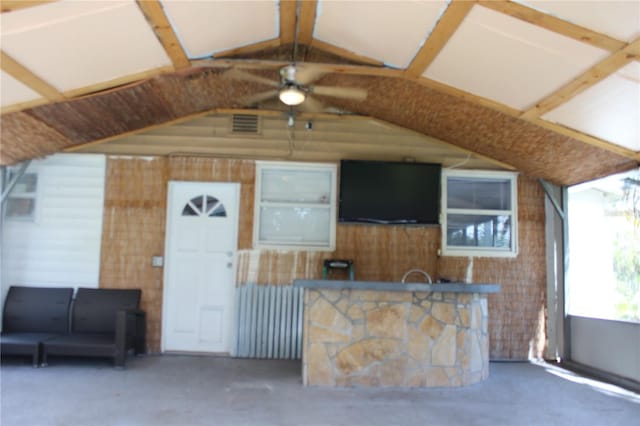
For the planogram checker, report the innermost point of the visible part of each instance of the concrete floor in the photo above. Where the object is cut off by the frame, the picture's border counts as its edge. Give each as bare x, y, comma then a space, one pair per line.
187, 390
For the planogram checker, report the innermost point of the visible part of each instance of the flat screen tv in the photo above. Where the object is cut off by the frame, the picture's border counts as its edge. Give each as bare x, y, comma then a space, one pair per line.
389, 192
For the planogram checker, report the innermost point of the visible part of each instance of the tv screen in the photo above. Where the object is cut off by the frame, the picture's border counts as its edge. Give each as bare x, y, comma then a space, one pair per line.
389, 192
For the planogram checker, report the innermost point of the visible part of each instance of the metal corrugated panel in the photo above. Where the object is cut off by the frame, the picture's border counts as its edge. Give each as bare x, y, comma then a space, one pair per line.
269, 321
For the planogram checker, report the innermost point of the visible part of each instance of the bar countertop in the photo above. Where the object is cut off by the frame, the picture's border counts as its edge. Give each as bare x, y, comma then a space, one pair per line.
398, 286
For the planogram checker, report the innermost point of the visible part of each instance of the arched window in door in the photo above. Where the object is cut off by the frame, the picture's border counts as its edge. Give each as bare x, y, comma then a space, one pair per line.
204, 205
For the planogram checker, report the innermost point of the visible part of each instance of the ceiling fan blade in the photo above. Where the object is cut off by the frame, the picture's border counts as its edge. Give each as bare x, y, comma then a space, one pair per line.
258, 97
243, 75
311, 105
307, 73
341, 92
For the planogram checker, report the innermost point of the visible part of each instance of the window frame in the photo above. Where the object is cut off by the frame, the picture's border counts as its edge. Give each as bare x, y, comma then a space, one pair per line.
463, 251
262, 166
16, 194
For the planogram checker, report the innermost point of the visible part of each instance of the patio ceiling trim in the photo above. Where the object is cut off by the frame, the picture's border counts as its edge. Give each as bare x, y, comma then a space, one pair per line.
154, 13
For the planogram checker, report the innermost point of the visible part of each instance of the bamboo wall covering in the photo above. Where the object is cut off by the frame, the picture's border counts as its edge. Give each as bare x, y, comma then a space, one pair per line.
134, 231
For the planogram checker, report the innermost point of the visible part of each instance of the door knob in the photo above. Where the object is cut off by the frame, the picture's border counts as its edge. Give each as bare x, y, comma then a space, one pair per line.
229, 265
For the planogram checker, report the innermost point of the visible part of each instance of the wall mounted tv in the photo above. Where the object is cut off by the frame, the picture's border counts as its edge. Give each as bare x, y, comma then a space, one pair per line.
389, 192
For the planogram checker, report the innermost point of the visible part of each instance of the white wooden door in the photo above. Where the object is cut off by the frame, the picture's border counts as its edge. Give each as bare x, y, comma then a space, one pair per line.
200, 266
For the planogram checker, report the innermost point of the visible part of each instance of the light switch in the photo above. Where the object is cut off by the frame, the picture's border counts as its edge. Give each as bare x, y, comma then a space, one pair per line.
157, 261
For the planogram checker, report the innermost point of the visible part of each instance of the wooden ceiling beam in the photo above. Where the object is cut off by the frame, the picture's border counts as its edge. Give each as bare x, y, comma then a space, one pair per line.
257, 64
344, 53
28, 78
288, 10
306, 21
11, 5
444, 29
554, 24
249, 49
154, 13
588, 139
597, 73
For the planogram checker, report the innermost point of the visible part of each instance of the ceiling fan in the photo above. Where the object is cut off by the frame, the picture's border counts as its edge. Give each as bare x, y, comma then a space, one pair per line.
295, 87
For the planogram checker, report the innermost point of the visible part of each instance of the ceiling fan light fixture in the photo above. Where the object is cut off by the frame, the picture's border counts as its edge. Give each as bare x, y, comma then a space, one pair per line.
291, 95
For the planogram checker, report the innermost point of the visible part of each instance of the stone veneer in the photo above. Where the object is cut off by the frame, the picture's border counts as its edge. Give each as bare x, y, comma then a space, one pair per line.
394, 338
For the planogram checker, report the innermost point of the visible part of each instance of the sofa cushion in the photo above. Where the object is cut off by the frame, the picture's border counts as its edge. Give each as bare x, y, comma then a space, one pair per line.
36, 310
85, 344
94, 309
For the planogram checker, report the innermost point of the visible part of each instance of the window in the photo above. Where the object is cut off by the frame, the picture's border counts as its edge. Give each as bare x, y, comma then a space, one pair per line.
21, 204
603, 279
479, 216
204, 205
295, 206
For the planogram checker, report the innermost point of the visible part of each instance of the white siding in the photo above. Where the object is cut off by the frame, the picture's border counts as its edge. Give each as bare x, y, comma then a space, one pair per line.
61, 247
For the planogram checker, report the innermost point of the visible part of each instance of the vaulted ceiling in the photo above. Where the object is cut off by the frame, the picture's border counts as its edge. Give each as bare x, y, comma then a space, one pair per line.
550, 88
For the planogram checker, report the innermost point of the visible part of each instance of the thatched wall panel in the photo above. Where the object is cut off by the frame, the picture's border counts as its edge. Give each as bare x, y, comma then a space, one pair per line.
197, 90
537, 151
133, 232
107, 114
24, 137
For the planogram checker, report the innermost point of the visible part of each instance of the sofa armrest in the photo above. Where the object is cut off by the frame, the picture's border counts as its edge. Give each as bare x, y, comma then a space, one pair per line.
130, 330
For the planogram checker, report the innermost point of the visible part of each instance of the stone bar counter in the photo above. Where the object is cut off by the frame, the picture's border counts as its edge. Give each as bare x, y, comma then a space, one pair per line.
362, 333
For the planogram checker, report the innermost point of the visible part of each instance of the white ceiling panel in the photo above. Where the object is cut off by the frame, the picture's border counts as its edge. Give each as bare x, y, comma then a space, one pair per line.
207, 27
609, 110
510, 61
75, 44
14, 92
388, 31
617, 18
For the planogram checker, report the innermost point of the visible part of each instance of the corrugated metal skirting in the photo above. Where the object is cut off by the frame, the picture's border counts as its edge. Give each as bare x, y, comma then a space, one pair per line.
269, 320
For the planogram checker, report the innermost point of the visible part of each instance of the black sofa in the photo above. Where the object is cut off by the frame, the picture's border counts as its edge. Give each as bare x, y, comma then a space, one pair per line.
104, 323
31, 316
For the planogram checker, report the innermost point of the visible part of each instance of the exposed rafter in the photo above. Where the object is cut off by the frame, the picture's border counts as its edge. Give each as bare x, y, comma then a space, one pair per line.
116, 82
554, 24
287, 21
598, 72
344, 53
11, 5
306, 21
588, 139
154, 12
446, 26
249, 49
28, 78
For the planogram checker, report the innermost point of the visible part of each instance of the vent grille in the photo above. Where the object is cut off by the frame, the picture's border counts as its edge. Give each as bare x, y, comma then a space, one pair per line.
245, 123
